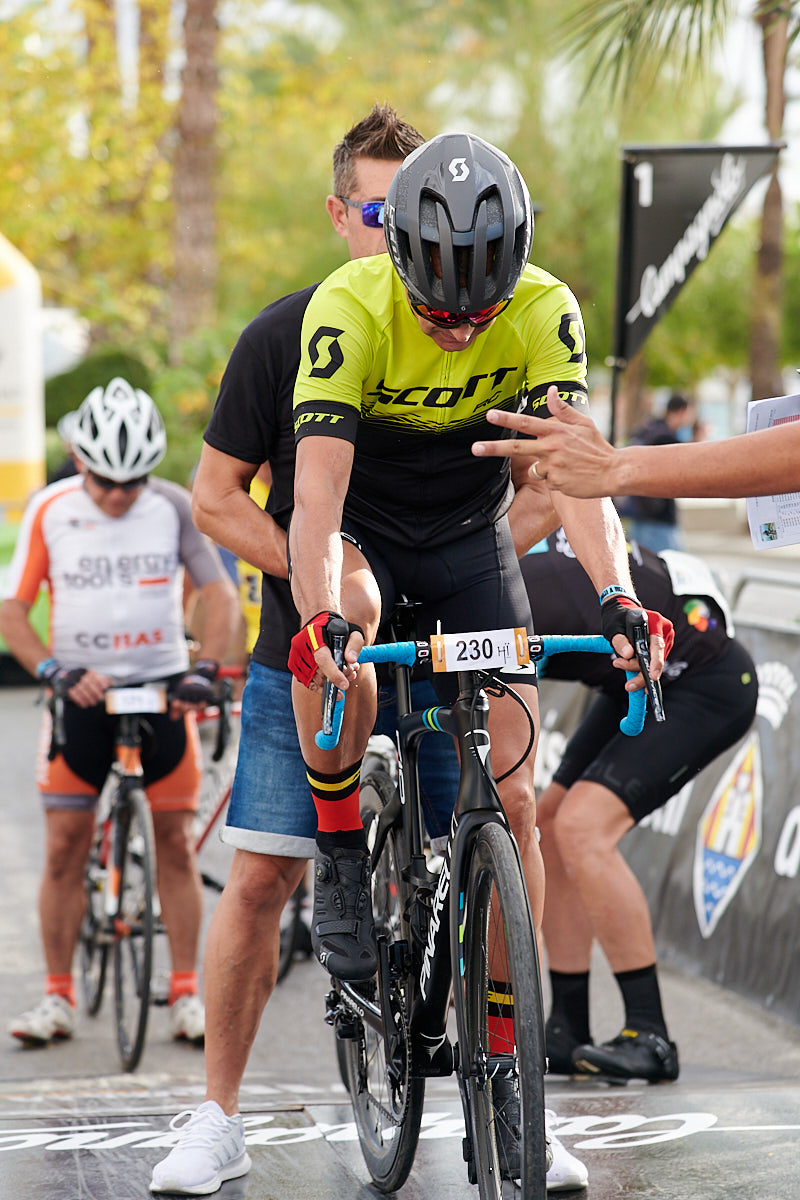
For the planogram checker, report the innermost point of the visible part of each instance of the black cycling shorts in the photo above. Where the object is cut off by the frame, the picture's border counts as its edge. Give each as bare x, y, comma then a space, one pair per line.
707, 711
471, 584
171, 762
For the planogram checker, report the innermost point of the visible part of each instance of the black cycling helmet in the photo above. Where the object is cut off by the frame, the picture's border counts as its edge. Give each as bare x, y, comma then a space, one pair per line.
465, 196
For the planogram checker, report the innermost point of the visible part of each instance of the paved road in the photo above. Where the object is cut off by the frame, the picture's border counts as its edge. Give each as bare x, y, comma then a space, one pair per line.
73, 1128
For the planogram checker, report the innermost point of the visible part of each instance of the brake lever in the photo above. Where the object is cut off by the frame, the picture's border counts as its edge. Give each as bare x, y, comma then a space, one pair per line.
637, 631
337, 632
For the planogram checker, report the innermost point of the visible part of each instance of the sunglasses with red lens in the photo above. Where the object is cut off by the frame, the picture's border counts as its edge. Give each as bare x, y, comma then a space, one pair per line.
438, 316
371, 211
108, 485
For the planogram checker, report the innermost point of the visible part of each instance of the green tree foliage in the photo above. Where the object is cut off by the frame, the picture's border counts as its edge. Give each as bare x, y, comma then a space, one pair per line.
87, 156
84, 181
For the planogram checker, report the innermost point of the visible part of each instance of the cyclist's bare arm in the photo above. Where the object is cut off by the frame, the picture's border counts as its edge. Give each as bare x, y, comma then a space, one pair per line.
574, 457
220, 603
322, 475
223, 509
27, 647
532, 515
595, 534
220, 606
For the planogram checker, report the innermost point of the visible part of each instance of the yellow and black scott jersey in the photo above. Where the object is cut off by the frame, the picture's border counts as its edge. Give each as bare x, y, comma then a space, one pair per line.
369, 375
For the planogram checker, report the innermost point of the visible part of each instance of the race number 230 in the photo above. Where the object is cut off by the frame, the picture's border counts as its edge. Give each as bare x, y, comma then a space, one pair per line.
480, 651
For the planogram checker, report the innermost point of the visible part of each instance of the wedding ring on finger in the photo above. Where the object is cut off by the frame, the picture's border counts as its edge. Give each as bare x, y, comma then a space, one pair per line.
536, 474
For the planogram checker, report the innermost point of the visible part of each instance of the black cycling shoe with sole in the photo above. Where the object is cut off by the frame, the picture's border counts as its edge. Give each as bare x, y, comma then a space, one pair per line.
630, 1055
560, 1043
343, 927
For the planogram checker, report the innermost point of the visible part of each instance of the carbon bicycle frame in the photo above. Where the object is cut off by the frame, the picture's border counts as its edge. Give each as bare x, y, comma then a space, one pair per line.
476, 803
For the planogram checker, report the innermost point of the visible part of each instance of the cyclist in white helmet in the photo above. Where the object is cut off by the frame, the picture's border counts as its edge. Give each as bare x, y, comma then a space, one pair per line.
109, 543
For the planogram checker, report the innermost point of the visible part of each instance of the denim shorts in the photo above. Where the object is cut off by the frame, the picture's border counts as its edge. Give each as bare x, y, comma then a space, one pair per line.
271, 810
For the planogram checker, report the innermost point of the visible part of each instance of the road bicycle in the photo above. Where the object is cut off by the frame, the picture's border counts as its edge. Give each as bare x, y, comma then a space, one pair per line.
465, 933
123, 914
219, 727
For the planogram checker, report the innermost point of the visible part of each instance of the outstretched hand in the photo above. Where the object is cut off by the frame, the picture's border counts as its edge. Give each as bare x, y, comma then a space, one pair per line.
568, 454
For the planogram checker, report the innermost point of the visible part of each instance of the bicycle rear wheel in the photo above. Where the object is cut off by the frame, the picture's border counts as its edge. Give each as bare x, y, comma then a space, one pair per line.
93, 944
499, 948
387, 1100
134, 856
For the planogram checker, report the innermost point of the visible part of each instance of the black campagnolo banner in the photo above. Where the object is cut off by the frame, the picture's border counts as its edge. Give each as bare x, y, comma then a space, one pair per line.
676, 200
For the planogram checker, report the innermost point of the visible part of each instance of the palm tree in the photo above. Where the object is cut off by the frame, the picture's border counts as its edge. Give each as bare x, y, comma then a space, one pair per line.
626, 38
193, 290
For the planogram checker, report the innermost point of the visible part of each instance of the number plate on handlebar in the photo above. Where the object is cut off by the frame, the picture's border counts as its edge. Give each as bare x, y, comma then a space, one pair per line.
152, 698
480, 651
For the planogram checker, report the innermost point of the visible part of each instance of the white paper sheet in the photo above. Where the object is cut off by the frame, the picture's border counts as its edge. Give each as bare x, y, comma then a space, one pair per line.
774, 520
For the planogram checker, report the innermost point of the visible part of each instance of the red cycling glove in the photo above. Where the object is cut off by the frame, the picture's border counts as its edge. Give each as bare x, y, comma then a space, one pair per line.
315, 633
612, 620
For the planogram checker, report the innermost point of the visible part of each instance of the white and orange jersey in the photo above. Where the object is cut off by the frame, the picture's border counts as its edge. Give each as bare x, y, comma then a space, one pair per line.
116, 583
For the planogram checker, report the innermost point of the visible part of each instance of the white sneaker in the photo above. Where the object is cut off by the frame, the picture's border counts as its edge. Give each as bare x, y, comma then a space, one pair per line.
209, 1151
566, 1172
53, 1017
187, 1020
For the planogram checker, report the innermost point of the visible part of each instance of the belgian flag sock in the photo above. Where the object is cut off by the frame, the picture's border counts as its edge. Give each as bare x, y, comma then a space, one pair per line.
338, 811
500, 1012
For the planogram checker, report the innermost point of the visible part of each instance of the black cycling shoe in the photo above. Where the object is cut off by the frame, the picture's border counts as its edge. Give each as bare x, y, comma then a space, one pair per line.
505, 1102
343, 927
630, 1055
560, 1042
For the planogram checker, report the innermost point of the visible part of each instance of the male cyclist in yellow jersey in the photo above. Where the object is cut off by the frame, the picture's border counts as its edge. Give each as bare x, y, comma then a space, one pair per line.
401, 358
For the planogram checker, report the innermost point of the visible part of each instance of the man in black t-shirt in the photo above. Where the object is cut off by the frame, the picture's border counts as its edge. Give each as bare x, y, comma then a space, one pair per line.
607, 782
271, 820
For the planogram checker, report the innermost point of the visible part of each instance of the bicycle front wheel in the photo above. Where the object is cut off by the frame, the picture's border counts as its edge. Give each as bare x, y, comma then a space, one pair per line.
503, 1061
94, 942
134, 856
387, 1100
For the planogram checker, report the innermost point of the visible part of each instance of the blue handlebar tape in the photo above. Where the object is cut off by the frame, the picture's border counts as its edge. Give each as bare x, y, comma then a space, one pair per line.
396, 652
406, 654
633, 722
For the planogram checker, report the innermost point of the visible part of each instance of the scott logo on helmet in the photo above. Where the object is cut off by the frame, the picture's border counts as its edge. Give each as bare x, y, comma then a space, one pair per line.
458, 169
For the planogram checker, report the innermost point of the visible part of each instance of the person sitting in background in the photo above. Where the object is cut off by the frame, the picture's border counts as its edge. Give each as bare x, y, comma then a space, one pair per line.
654, 521
110, 543
606, 783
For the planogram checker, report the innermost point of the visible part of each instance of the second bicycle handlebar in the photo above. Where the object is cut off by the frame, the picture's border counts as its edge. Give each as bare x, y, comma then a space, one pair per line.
539, 645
